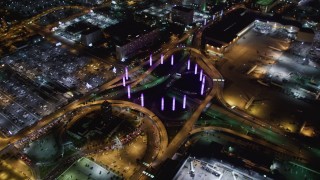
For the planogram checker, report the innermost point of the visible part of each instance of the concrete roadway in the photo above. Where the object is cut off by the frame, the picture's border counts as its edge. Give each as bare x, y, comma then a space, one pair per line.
156, 149
14, 29
288, 146
188, 126
35, 130
288, 143
225, 119
46, 120
155, 120
170, 49
205, 64
181, 136
249, 138
30, 133
126, 104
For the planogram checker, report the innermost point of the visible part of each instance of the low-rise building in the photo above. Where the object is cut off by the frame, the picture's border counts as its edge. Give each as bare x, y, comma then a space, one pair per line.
182, 15
91, 36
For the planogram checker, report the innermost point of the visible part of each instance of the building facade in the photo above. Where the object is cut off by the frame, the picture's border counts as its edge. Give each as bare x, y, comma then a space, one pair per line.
91, 36
128, 49
182, 15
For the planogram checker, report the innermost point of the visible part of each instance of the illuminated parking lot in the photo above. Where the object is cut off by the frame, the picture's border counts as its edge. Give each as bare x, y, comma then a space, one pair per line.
91, 18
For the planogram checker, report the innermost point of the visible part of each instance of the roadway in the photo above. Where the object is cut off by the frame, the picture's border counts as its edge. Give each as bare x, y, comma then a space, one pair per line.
13, 32
180, 137
270, 136
166, 151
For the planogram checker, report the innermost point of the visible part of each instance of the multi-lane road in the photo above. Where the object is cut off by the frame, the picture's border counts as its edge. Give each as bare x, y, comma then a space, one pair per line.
167, 149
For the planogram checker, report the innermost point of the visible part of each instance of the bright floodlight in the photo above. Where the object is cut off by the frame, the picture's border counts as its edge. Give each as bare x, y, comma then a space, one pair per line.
150, 60
195, 68
184, 101
123, 81
142, 100
129, 93
126, 70
161, 59
162, 104
173, 103
172, 59
188, 66
201, 72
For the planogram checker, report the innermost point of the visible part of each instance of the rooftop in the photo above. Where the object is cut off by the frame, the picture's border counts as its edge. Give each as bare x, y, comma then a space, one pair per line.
265, 2
80, 27
155, 11
227, 29
90, 30
181, 8
127, 30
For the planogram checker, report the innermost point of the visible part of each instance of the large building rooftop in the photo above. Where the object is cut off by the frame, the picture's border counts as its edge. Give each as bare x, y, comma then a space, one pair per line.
227, 29
181, 8
126, 31
81, 27
265, 2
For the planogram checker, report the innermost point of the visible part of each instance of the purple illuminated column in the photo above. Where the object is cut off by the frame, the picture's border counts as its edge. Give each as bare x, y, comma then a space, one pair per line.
162, 104
150, 61
184, 101
213, 17
142, 100
205, 21
172, 59
201, 72
195, 68
161, 59
202, 84
173, 103
126, 70
124, 81
188, 66
129, 93
202, 88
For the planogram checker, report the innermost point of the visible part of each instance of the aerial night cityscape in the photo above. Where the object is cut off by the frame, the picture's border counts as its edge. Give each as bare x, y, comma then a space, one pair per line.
160, 89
